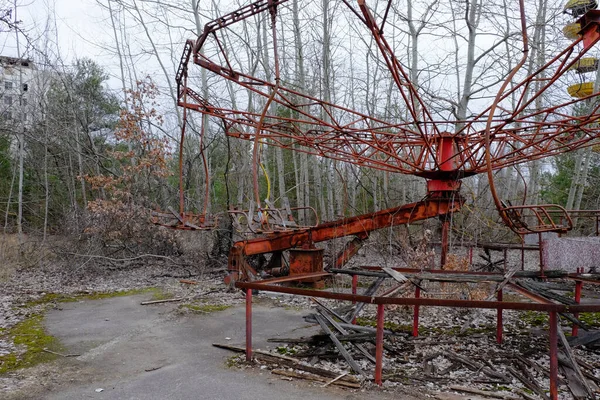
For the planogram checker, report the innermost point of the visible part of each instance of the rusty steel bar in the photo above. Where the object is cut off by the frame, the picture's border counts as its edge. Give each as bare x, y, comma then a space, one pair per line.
411, 301
360, 225
578, 287
415, 331
585, 279
499, 324
444, 249
354, 291
553, 335
248, 325
379, 346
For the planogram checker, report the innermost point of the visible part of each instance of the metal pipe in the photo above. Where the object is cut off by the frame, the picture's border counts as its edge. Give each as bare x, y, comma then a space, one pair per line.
578, 287
248, 325
379, 346
499, 324
553, 356
444, 252
410, 301
416, 313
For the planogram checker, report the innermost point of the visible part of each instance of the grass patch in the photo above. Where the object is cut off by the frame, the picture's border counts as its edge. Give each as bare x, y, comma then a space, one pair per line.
534, 318
157, 294
591, 318
204, 308
425, 330
30, 336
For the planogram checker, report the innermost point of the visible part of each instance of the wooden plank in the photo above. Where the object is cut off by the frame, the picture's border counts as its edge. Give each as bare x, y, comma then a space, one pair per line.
369, 292
330, 310
529, 383
493, 395
316, 378
287, 361
573, 361
582, 340
341, 330
339, 345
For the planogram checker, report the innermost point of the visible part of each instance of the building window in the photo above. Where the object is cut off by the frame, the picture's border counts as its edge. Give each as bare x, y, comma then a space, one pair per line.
6, 115
8, 100
8, 85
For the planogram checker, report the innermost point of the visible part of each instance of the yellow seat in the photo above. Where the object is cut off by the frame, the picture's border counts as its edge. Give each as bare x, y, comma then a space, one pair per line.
581, 89
579, 7
588, 64
571, 31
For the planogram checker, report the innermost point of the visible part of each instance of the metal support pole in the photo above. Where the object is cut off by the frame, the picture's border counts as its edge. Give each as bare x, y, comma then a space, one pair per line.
444, 253
542, 261
499, 324
416, 313
522, 252
578, 287
379, 346
354, 289
248, 325
504, 254
470, 256
553, 356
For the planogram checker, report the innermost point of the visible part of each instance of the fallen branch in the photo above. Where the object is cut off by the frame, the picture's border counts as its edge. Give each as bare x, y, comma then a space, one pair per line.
316, 378
145, 303
530, 384
481, 392
335, 379
60, 354
288, 362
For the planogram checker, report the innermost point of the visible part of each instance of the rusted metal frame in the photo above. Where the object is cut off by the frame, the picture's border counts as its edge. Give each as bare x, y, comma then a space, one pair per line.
396, 70
294, 278
183, 65
222, 49
578, 287
308, 141
411, 301
418, 272
415, 331
235, 16
350, 226
582, 278
553, 339
499, 322
526, 83
520, 155
379, 345
248, 325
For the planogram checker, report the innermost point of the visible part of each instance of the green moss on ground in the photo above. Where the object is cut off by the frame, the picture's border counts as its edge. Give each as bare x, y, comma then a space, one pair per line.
204, 308
534, 318
157, 294
31, 338
591, 318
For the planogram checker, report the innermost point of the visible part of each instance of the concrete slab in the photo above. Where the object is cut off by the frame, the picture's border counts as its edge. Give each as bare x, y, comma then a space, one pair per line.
147, 352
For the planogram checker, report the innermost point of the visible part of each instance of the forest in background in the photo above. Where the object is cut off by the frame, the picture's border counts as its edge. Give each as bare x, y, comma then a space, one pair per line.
97, 157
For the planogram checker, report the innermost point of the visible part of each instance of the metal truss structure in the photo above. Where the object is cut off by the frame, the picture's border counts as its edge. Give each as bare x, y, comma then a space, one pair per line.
514, 128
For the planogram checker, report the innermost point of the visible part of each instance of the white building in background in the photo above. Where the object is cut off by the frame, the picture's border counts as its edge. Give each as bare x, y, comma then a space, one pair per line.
16, 84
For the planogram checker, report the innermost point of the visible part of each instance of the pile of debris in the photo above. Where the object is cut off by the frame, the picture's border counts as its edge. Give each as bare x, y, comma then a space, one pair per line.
457, 350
